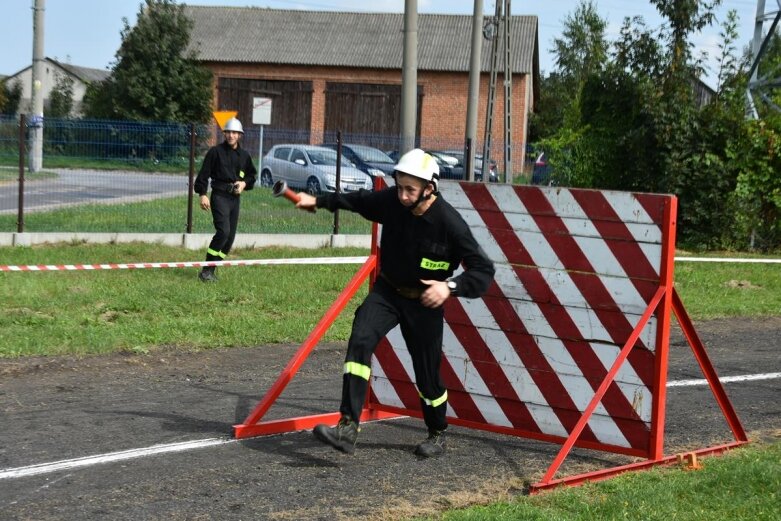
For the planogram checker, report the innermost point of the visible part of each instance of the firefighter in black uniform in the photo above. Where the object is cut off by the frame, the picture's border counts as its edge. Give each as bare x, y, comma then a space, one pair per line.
231, 172
424, 240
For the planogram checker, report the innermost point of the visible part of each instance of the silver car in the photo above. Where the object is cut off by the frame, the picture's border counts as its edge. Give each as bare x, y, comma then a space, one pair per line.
311, 168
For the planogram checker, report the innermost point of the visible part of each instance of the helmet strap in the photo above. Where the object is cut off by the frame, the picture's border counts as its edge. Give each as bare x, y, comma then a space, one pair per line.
422, 197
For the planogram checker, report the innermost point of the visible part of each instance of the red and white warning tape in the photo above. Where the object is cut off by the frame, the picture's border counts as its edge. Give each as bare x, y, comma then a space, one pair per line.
312, 260
147, 265
722, 259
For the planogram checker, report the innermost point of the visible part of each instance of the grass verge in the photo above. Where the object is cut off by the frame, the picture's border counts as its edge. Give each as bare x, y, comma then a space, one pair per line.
743, 485
261, 212
94, 312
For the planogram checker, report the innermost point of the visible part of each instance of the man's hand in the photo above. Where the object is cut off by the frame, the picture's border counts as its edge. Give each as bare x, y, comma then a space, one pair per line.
205, 204
240, 186
306, 202
436, 294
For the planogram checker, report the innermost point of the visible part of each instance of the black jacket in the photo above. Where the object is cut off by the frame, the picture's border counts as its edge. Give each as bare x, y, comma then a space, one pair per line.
224, 165
430, 246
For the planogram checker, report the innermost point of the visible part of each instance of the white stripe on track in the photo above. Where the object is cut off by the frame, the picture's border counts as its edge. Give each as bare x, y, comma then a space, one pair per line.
725, 380
88, 461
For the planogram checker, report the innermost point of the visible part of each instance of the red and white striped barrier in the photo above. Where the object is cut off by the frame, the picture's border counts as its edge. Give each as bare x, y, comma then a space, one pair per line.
570, 343
575, 270
151, 265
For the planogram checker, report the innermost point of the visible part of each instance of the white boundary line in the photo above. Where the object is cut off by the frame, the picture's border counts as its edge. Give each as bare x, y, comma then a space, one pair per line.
725, 380
88, 461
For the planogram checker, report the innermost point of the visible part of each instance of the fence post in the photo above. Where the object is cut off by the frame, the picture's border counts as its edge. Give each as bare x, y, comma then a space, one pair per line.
191, 180
338, 177
20, 215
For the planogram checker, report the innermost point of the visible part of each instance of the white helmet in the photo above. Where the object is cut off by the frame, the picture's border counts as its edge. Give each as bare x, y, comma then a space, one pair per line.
234, 125
418, 163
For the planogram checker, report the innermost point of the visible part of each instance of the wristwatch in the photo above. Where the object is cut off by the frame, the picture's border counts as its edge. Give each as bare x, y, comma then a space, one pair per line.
452, 286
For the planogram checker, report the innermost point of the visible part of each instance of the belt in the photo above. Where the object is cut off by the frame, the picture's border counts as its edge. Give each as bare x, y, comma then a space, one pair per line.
222, 186
403, 291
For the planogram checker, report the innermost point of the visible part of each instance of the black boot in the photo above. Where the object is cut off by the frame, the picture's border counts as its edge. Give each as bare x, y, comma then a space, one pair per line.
434, 445
342, 437
207, 274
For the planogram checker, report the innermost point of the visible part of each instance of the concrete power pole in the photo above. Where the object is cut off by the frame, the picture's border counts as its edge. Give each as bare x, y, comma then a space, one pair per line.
36, 121
475, 66
409, 77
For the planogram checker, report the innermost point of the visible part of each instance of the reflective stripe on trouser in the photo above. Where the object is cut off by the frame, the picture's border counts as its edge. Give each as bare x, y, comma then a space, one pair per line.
225, 215
434, 411
421, 327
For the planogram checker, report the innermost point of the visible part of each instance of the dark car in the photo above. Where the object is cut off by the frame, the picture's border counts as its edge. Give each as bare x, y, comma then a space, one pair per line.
541, 174
369, 160
478, 168
445, 170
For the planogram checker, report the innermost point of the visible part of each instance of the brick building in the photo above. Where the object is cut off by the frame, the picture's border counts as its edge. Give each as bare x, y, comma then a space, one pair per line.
329, 71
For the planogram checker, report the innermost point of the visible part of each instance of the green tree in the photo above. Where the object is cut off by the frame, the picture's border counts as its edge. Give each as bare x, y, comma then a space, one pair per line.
582, 48
580, 52
757, 153
154, 78
61, 97
12, 95
552, 103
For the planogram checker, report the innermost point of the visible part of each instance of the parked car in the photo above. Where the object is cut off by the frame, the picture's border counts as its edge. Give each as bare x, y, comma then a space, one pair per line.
370, 160
311, 168
478, 169
541, 173
445, 170
453, 168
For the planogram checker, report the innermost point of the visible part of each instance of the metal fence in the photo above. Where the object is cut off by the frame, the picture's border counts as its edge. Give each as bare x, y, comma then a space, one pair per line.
132, 177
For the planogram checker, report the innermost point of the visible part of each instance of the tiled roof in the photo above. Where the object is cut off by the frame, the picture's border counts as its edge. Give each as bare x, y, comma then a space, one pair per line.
85, 74
339, 39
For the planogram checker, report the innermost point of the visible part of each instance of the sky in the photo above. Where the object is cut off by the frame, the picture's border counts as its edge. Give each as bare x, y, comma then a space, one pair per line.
87, 32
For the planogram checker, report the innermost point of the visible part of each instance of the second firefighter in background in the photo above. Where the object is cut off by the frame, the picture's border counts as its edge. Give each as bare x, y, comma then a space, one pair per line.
231, 171
424, 241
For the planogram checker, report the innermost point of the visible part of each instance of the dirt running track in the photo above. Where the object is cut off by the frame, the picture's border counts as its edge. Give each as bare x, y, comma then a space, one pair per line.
57, 409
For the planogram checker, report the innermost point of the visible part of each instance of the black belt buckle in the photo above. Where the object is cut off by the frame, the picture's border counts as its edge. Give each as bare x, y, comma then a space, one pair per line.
410, 293
406, 292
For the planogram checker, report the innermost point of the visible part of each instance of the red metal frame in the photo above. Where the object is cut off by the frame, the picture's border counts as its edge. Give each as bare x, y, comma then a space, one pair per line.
252, 426
664, 304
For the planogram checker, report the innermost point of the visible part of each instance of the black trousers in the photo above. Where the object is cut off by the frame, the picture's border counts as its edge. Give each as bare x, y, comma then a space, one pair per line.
225, 215
421, 328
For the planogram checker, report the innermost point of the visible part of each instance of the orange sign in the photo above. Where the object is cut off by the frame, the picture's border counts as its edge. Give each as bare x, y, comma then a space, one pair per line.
222, 116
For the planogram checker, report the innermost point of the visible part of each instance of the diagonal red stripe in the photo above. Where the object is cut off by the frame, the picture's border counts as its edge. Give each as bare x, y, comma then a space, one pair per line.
607, 222
654, 205
397, 375
460, 401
